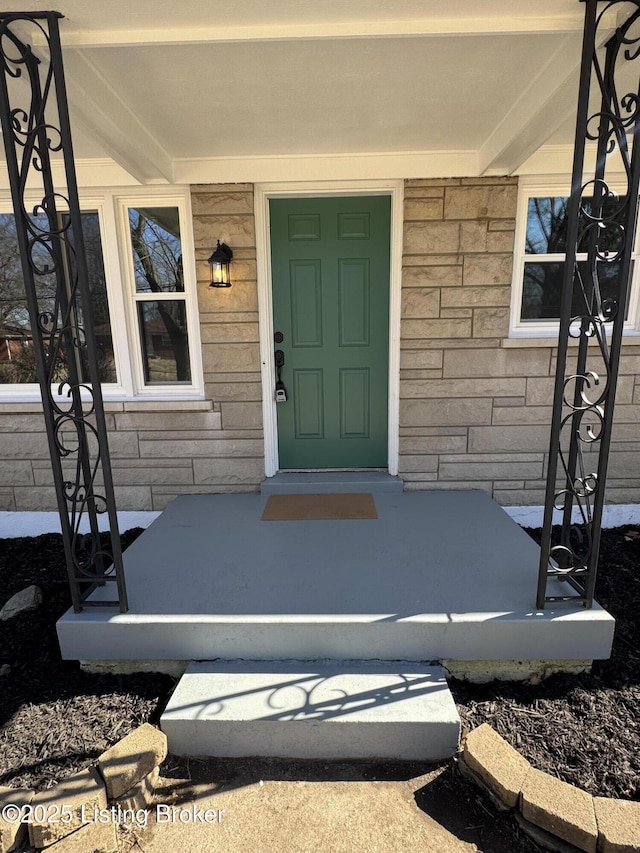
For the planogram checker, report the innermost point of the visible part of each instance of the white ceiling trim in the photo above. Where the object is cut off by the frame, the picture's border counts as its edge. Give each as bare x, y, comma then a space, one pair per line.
534, 117
105, 115
488, 25
362, 166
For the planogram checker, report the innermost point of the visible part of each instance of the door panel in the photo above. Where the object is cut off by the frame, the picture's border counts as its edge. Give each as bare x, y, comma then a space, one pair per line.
330, 271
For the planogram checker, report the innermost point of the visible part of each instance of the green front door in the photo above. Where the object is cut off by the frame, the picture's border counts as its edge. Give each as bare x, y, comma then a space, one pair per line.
330, 271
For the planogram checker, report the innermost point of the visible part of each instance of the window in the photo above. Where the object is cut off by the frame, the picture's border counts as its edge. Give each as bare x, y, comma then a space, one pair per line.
539, 264
142, 281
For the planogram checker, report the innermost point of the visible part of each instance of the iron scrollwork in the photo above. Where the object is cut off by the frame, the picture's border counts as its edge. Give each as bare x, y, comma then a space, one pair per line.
601, 225
37, 139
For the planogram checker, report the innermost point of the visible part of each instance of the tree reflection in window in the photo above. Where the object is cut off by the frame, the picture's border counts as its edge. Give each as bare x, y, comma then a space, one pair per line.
157, 263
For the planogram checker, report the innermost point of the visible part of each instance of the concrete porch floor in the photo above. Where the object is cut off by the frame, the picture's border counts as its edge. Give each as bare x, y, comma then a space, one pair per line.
438, 575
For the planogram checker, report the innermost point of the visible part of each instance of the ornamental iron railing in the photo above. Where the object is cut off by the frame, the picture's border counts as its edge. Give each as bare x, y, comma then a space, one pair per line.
37, 142
601, 225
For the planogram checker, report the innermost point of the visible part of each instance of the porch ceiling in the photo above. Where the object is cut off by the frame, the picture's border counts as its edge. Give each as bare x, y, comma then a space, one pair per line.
173, 91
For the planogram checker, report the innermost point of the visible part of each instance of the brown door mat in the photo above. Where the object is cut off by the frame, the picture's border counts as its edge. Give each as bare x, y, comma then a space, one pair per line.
319, 507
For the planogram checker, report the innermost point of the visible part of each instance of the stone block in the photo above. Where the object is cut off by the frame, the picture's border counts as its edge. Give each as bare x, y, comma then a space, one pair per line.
238, 392
16, 472
420, 360
90, 838
241, 415
449, 412
500, 241
83, 793
431, 238
422, 208
240, 472
505, 439
423, 192
473, 237
420, 302
16, 422
490, 322
480, 202
216, 203
516, 413
154, 475
29, 445
7, 500
417, 464
482, 387
434, 260
433, 444
560, 808
503, 470
230, 358
168, 420
451, 313
12, 833
236, 230
497, 362
419, 329
140, 796
242, 297
213, 333
472, 297
131, 759
618, 825
28, 499
624, 465
207, 448
432, 276
487, 269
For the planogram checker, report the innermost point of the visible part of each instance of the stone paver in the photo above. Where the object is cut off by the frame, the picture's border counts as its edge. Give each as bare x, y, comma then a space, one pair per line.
12, 831
141, 795
298, 817
131, 759
94, 837
80, 796
618, 825
561, 809
498, 765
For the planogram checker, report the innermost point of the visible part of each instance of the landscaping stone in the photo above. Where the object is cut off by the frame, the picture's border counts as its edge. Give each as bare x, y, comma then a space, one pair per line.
141, 795
543, 838
94, 837
131, 759
561, 809
5, 669
83, 794
28, 598
12, 833
499, 766
618, 825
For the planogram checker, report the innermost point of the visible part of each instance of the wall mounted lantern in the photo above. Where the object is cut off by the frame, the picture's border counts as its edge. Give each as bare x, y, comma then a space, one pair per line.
219, 266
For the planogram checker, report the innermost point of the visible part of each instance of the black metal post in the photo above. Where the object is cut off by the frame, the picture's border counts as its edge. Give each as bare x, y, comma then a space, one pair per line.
35, 124
601, 224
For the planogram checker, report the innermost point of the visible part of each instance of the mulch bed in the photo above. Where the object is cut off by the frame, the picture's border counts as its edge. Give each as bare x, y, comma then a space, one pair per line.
584, 729
56, 719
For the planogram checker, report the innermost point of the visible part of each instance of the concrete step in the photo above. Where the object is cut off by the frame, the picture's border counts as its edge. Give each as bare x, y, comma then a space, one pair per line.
313, 709
331, 482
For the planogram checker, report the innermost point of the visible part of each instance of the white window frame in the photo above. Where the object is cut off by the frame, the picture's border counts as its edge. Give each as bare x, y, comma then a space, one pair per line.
111, 206
544, 188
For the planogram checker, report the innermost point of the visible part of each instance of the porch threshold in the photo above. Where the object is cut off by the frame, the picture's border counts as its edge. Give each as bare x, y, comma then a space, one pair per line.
437, 576
330, 482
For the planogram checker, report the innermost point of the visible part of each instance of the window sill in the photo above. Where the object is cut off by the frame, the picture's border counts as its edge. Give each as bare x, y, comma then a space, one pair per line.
33, 405
630, 338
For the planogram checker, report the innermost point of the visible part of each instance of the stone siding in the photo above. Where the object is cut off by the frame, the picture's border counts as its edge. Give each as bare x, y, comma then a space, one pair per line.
474, 409
163, 449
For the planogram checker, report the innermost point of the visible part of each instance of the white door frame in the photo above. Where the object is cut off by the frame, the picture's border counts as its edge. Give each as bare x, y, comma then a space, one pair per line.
310, 189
